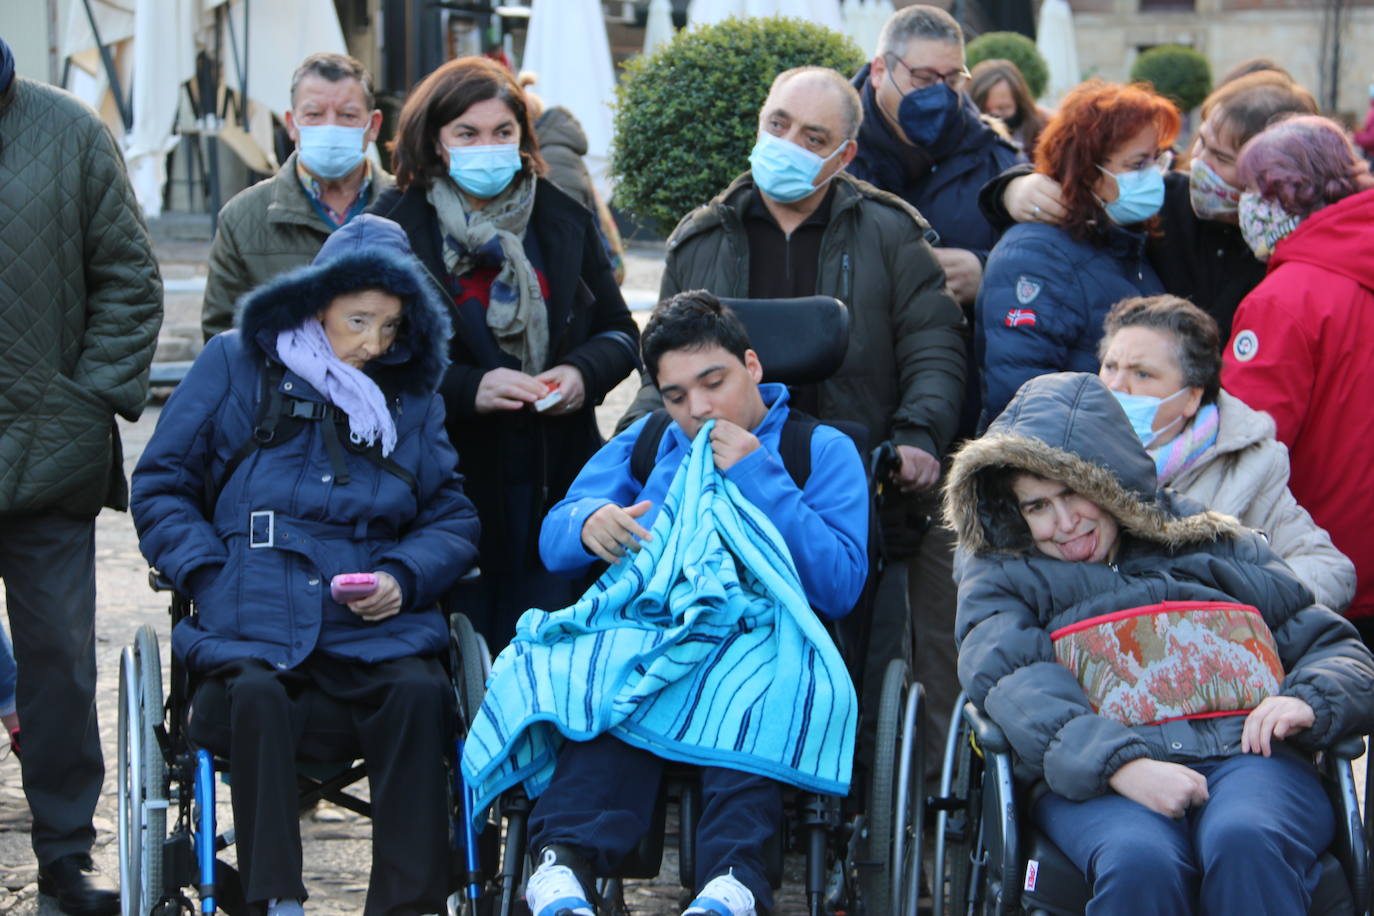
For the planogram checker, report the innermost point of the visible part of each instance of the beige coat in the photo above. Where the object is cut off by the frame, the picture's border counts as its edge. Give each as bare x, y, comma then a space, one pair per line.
1245, 474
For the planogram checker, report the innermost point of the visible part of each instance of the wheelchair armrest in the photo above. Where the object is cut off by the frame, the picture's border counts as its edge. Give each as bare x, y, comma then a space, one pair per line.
986, 732
159, 583
1350, 747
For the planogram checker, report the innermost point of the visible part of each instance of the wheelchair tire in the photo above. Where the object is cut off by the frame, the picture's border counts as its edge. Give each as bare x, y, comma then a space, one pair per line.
894, 803
143, 777
472, 665
963, 837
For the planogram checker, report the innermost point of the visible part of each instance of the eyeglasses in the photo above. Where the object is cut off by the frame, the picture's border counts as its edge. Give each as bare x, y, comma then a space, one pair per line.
1161, 162
922, 77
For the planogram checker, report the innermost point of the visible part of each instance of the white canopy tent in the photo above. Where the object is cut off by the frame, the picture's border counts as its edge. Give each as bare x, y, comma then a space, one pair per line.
659, 28
1057, 42
575, 74
864, 19
153, 46
821, 12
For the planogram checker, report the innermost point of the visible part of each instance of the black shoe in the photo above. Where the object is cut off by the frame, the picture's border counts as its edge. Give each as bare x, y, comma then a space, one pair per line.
80, 889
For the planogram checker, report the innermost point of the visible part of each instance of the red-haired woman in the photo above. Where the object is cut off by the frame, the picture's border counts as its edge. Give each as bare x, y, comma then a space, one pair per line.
1047, 288
535, 307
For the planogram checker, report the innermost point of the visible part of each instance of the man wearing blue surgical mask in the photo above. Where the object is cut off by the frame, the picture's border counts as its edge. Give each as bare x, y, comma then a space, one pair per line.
280, 223
924, 140
798, 224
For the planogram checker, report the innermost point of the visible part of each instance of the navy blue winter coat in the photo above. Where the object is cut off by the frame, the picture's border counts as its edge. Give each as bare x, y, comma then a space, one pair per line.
1042, 302
273, 602
942, 181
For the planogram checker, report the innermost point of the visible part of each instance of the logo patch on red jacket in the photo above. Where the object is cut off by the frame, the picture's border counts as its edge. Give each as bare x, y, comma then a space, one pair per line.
1246, 345
1017, 317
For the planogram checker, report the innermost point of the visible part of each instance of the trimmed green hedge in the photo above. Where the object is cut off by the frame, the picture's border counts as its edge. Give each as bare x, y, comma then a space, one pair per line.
686, 116
1180, 73
1018, 49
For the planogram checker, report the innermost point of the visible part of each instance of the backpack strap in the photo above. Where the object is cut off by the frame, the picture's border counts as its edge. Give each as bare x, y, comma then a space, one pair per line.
645, 451
794, 445
264, 429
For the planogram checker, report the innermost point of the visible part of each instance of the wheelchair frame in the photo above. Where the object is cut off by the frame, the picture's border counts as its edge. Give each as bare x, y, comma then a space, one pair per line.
159, 771
980, 847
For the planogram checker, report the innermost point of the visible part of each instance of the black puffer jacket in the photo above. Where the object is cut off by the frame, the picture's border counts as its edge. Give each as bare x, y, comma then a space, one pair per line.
1068, 427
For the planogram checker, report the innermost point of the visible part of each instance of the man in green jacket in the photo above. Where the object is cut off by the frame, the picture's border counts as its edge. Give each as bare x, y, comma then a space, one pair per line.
281, 222
80, 308
798, 225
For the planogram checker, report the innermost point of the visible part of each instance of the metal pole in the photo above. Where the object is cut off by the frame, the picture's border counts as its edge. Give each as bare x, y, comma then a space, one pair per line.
125, 114
54, 61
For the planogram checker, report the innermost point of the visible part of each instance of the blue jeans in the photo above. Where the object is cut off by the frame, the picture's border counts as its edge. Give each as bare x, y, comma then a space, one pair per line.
1252, 848
9, 675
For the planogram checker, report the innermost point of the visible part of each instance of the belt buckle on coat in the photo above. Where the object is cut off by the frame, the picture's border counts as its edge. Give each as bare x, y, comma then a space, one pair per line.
262, 529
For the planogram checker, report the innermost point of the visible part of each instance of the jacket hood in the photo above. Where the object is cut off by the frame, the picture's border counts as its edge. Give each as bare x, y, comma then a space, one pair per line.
1335, 238
558, 126
1067, 427
367, 252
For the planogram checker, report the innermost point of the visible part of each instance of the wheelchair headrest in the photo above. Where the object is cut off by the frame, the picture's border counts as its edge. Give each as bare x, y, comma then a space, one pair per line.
799, 341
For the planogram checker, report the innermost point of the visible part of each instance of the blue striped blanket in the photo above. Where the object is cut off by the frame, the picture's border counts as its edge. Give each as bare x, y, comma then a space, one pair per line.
701, 648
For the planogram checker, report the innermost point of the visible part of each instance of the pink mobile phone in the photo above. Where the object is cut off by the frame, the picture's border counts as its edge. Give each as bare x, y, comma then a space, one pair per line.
347, 587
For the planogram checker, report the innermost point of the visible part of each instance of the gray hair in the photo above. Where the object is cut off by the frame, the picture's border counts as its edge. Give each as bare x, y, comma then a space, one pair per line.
927, 22
335, 67
852, 108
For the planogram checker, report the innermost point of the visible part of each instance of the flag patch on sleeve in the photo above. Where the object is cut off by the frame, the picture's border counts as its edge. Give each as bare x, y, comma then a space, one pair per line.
1018, 317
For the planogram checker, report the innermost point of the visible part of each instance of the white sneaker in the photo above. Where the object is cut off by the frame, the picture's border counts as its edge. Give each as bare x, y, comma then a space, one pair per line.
278, 906
553, 890
723, 895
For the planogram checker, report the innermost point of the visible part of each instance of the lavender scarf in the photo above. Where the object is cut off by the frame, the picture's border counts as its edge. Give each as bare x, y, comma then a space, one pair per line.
306, 351
1182, 452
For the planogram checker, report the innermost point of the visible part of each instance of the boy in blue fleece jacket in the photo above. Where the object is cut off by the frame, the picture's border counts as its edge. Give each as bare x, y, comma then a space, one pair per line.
602, 795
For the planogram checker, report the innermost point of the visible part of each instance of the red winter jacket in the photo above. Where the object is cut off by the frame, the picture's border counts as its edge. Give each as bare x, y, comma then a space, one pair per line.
1302, 348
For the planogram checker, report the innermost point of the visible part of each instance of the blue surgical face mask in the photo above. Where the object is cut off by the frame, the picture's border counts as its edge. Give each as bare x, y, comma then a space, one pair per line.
484, 171
1139, 195
1141, 410
923, 112
331, 150
786, 172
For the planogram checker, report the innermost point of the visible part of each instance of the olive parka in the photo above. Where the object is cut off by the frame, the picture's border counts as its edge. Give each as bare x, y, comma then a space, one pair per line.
903, 373
1068, 427
80, 306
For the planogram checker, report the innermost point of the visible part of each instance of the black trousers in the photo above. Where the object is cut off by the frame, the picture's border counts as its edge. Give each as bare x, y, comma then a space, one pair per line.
47, 563
398, 715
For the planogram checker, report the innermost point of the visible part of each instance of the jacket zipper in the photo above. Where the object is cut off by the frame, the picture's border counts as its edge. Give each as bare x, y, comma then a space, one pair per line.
844, 278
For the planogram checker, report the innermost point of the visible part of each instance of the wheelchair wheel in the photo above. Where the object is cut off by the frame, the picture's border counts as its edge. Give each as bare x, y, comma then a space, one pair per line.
142, 776
958, 824
889, 882
472, 664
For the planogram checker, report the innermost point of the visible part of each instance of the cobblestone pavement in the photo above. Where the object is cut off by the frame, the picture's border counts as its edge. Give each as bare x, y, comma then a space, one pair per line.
337, 843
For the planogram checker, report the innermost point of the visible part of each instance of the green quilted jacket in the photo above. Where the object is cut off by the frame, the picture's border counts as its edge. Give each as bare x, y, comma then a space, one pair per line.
263, 231
80, 306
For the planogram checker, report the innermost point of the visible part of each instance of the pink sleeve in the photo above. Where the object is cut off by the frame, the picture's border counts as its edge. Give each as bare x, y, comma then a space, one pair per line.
1365, 138
1269, 362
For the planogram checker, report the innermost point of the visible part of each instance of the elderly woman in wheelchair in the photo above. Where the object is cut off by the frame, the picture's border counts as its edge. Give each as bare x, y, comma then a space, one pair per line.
300, 488
1154, 665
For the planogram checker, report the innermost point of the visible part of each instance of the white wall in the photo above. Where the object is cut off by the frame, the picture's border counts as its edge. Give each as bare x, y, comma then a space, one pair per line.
24, 26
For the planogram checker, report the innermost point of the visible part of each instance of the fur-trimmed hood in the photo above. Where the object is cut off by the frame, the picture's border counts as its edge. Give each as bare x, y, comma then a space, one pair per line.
1068, 427
367, 252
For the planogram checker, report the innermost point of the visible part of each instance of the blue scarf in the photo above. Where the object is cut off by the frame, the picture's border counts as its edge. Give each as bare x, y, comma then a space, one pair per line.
6, 66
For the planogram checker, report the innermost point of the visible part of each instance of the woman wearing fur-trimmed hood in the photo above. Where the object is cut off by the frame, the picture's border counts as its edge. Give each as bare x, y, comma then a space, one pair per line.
305, 444
1152, 662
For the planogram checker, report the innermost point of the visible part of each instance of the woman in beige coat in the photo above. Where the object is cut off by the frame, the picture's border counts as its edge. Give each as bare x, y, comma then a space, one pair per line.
1160, 356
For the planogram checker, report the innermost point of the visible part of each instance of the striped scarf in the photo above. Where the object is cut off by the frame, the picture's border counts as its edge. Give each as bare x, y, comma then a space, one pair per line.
1182, 452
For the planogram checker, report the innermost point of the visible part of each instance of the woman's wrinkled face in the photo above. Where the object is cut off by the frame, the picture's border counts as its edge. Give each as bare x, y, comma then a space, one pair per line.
1144, 361
361, 326
1063, 524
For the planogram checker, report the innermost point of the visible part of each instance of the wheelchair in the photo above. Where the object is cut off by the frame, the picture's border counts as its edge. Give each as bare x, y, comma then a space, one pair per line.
167, 831
990, 860
862, 852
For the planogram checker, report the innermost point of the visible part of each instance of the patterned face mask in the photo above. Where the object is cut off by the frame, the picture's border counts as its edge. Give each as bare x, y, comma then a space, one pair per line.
1211, 195
1263, 224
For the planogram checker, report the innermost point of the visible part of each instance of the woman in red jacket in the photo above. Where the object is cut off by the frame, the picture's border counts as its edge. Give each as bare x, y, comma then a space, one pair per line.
1300, 344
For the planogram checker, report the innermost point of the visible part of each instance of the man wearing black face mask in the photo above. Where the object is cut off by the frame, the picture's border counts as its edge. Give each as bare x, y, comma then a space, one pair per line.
923, 139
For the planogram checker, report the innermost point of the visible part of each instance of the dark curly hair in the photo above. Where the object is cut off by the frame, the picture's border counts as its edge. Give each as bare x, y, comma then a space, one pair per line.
692, 320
